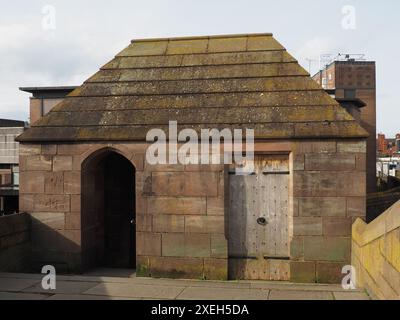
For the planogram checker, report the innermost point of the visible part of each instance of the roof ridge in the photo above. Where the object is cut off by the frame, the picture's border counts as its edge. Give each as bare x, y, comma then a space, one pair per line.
218, 36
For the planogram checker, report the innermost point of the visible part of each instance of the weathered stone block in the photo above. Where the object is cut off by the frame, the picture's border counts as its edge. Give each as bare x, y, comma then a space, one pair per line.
163, 167
352, 146
322, 206
38, 163
219, 246
26, 202
168, 183
53, 220
361, 161
327, 248
330, 162
181, 245
314, 183
178, 268
204, 167
307, 226
148, 244
204, 224
197, 245
302, 272
54, 183
356, 207
168, 223
173, 245
73, 237
72, 149
353, 185
143, 266
315, 147
329, 272
298, 162
215, 206
333, 226
72, 182
62, 163
171, 205
73, 221
201, 184
75, 203
31, 182
144, 222
215, 269
138, 161
49, 149
29, 149
297, 248
52, 203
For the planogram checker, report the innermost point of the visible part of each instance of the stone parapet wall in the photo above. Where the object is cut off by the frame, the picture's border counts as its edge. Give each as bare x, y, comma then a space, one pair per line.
376, 254
15, 246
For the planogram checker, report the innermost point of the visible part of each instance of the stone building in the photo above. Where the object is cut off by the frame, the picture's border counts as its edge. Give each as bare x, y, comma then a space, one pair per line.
96, 201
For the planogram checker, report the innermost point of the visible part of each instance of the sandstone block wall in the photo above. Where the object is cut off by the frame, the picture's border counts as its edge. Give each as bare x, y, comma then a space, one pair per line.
181, 230
376, 254
329, 187
181, 224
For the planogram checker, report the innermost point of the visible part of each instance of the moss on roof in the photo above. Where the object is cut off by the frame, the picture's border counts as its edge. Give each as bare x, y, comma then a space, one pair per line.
234, 81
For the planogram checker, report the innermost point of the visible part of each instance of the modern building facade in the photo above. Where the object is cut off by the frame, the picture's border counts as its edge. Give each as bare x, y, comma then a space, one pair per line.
96, 200
43, 99
9, 168
356, 79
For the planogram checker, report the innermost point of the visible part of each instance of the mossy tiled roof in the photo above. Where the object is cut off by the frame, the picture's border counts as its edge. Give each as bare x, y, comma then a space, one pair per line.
236, 81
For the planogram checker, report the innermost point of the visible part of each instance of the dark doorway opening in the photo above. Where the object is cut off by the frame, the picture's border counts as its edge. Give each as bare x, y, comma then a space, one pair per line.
108, 212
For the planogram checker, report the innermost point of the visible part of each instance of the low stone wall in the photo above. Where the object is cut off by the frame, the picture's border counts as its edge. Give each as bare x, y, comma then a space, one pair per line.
376, 254
15, 248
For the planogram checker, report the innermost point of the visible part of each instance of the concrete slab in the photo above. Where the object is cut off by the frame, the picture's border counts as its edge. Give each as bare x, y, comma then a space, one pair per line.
300, 295
351, 296
94, 287
15, 285
21, 296
190, 283
85, 297
199, 293
135, 290
294, 286
66, 287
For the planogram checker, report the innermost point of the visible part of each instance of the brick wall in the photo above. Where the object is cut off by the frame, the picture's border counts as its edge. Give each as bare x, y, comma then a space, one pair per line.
15, 243
376, 254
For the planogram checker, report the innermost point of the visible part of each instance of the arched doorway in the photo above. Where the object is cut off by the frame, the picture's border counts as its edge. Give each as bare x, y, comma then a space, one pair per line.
108, 211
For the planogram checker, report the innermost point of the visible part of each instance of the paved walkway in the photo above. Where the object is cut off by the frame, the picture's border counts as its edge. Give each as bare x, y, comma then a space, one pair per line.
106, 285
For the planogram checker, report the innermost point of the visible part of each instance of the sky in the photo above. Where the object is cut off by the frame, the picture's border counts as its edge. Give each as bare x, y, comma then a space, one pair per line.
59, 42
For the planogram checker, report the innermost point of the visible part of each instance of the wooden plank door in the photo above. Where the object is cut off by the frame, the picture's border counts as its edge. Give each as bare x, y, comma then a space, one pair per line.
258, 221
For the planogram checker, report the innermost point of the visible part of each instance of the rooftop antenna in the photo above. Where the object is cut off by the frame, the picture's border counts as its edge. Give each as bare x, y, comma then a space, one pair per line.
310, 61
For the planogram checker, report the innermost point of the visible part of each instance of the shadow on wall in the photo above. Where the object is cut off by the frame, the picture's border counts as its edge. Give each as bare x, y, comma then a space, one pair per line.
52, 245
15, 246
